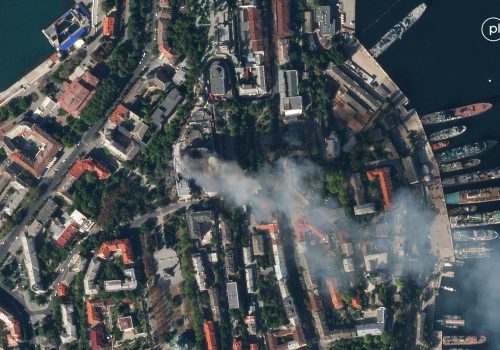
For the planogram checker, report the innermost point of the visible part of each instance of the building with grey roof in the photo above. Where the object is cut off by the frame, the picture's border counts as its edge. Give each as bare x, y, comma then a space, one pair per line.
322, 17
232, 295
129, 283
250, 280
348, 265
348, 15
200, 223
69, 335
31, 263
409, 170
167, 107
290, 100
199, 271
333, 146
213, 296
229, 264
364, 209
90, 287
258, 245
217, 79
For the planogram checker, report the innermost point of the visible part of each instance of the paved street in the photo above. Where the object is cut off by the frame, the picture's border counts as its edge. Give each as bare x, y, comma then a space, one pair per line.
55, 175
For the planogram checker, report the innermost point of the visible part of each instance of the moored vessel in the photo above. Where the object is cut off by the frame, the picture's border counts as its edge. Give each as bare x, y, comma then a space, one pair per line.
471, 178
472, 252
440, 145
464, 209
476, 219
398, 30
474, 235
460, 165
465, 151
479, 195
448, 133
455, 113
449, 289
451, 321
463, 340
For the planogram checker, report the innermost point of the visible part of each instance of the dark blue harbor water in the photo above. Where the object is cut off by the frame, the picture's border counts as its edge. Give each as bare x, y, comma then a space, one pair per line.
443, 61
23, 46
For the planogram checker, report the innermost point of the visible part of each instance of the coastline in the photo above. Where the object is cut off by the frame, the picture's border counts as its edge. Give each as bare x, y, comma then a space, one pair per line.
441, 238
27, 80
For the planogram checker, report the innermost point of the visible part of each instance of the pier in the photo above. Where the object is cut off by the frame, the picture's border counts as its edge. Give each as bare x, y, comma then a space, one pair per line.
441, 239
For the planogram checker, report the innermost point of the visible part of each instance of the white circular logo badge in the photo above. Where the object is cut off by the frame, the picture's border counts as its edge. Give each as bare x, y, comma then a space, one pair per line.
491, 29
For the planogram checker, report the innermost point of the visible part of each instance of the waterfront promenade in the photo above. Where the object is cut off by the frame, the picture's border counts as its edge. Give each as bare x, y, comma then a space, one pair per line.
29, 80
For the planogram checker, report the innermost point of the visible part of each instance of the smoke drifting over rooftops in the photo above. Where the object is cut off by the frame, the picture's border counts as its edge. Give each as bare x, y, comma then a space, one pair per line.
297, 190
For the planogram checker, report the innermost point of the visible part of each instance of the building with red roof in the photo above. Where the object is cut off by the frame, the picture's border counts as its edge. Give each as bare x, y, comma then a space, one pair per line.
108, 26
210, 338
271, 228
120, 246
78, 93
30, 147
384, 177
93, 317
119, 114
67, 235
254, 29
163, 45
89, 164
97, 338
62, 289
254, 346
356, 303
282, 18
334, 294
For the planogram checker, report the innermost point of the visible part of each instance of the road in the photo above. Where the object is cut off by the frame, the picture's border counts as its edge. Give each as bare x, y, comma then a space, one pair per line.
53, 178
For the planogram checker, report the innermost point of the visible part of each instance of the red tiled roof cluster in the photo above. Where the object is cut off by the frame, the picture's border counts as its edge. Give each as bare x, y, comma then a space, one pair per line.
89, 164
96, 338
67, 235
384, 176
208, 328
122, 245
108, 26
282, 16
77, 94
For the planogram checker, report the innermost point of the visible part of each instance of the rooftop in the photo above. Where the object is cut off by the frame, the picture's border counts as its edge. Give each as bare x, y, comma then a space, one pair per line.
30, 147
108, 25
78, 93
89, 164
210, 337
232, 295
121, 246
282, 18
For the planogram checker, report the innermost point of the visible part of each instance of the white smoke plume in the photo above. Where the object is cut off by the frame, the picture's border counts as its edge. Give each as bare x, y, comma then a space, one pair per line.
295, 188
